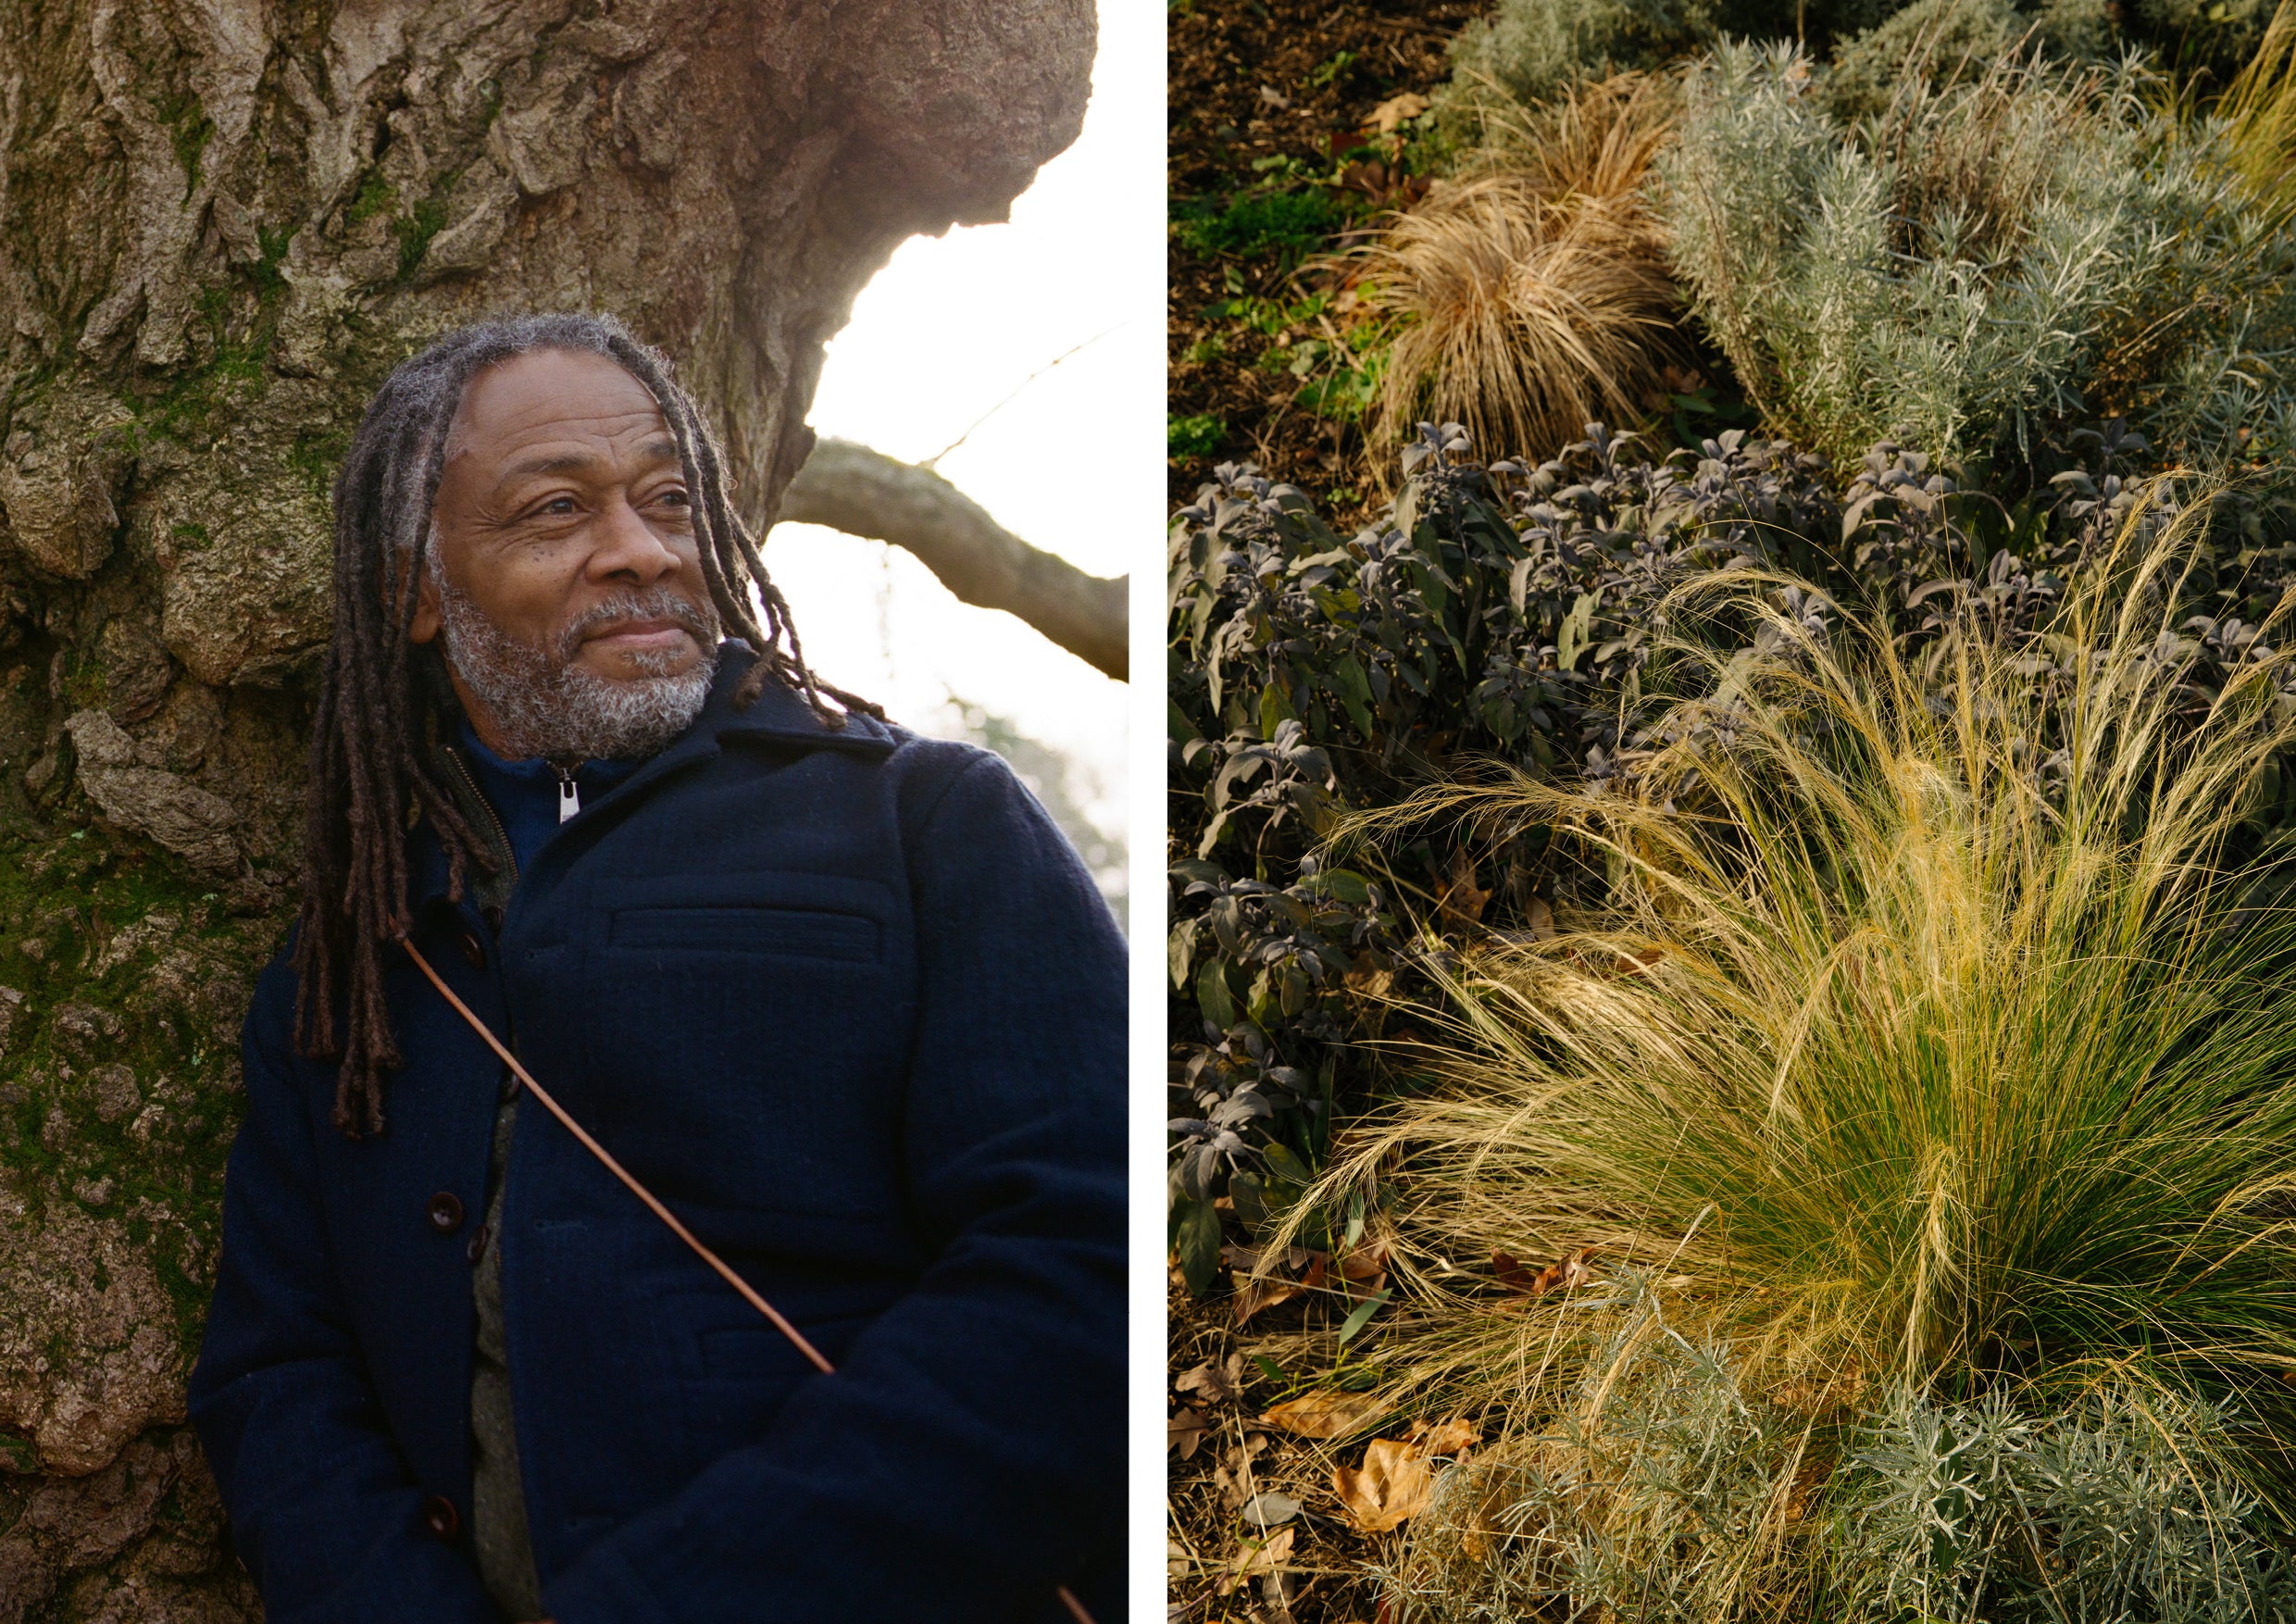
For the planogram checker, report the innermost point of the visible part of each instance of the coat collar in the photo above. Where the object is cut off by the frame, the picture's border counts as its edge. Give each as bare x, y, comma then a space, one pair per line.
779, 719
781, 714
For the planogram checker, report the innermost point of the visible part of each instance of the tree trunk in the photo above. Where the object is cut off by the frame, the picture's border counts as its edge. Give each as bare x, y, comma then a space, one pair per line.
221, 223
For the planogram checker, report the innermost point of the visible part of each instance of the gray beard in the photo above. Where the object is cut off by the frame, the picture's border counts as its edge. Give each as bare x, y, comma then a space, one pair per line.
543, 704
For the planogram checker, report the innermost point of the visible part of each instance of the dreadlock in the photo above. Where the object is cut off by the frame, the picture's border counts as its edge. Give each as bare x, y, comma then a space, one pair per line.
370, 761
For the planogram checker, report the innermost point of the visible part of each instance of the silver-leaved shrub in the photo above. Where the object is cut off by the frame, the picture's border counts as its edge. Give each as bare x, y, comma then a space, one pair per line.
1981, 259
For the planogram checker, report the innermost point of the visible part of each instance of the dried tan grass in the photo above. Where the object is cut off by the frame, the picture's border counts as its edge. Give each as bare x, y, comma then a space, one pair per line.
1533, 296
2259, 110
1598, 141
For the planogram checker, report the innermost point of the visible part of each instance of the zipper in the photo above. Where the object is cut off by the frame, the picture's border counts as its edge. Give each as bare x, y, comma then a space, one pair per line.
570, 796
502, 835
510, 862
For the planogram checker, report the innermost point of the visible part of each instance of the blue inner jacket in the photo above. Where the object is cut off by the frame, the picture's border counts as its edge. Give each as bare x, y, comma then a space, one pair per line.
524, 794
846, 1000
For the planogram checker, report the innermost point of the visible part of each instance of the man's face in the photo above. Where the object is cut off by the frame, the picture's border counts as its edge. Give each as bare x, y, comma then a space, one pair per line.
566, 577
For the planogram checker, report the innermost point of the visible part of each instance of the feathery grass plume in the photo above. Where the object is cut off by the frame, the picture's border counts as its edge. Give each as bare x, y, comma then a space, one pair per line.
1532, 297
1927, 1035
1986, 253
2259, 111
1596, 141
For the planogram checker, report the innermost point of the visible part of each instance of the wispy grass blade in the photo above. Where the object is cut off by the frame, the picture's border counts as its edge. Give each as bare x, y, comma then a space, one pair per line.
1928, 1037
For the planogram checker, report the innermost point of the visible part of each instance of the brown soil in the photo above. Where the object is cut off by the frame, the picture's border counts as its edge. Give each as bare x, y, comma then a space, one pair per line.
1261, 82
1231, 65
1317, 1575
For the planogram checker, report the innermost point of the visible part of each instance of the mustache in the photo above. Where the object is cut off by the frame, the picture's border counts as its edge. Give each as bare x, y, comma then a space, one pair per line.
629, 604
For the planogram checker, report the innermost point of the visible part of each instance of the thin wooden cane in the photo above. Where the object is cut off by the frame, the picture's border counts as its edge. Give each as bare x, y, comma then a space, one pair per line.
749, 1294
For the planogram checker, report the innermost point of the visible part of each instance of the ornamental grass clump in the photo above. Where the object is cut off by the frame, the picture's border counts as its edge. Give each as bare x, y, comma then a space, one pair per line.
1934, 1048
1531, 297
1991, 253
2259, 111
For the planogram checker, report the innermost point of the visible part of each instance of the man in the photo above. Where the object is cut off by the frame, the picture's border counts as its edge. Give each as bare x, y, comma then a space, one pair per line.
841, 998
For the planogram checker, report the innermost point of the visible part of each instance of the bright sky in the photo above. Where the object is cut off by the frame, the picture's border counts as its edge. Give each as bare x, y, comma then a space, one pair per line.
946, 331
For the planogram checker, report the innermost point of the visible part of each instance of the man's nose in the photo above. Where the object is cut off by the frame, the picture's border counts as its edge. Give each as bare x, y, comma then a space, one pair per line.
628, 547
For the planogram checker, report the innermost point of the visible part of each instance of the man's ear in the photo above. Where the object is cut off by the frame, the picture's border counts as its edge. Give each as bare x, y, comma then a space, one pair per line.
425, 625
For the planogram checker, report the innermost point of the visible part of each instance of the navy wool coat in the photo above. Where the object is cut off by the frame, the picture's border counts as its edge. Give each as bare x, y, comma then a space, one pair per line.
847, 1002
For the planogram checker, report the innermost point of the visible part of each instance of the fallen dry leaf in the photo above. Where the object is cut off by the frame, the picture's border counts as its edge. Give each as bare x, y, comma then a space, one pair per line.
1268, 1510
1571, 1271
1641, 963
1368, 983
1185, 1431
1247, 1258
1541, 918
1252, 1295
1321, 1415
1391, 1487
1212, 1383
1462, 901
1256, 1556
1232, 1477
1365, 1270
1393, 111
1451, 1439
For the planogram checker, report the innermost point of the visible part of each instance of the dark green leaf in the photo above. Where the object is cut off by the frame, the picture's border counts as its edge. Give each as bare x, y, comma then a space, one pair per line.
1364, 1311
1285, 1164
1199, 1244
1212, 994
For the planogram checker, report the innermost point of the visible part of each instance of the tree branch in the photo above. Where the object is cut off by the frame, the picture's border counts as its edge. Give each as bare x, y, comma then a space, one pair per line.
865, 493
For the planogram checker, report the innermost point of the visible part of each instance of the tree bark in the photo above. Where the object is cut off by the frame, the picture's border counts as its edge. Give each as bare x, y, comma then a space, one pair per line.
865, 493
221, 223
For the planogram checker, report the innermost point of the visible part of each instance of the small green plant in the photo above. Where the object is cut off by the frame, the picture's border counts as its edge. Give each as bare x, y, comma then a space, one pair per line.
416, 230
189, 130
1940, 1508
1288, 225
1195, 436
1348, 386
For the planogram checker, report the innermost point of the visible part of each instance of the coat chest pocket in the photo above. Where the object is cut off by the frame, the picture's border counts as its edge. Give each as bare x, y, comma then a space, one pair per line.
746, 916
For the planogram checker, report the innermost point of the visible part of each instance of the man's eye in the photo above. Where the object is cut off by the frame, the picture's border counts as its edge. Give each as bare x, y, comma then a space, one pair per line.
558, 505
675, 498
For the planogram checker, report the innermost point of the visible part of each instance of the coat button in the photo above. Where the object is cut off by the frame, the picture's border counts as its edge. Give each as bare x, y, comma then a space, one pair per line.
445, 1212
438, 1516
477, 1247
473, 949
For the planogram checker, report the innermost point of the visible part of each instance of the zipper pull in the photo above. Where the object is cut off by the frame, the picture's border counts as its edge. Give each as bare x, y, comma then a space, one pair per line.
569, 798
